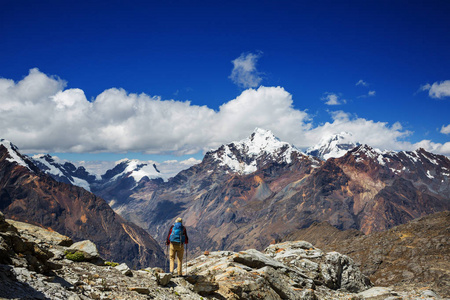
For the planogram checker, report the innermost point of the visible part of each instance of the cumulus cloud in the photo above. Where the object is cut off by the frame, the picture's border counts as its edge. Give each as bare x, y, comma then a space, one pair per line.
244, 72
445, 129
333, 99
361, 82
39, 114
377, 134
437, 90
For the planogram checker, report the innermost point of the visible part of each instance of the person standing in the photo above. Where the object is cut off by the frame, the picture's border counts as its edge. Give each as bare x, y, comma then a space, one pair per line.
176, 238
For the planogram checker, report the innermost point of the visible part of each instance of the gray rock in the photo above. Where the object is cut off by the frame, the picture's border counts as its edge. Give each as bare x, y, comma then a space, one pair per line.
140, 290
256, 259
163, 278
375, 293
340, 272
40, 235
88, 248
279, 282
124, 269
429, 293
205, 287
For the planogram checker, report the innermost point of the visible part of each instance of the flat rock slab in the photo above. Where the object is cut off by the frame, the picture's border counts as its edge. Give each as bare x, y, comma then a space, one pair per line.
376, 293
140, 290
255, 259
38, 233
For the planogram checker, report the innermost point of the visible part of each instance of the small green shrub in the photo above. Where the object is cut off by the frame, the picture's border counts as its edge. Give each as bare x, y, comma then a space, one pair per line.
77, 256
111, 264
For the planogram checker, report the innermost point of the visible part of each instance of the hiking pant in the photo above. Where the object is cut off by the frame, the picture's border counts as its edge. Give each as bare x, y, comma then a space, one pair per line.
178, 250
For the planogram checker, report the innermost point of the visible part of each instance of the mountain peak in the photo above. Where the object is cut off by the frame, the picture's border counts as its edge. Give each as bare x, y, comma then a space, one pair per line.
243, 156
335, 146
13, 152
137, 169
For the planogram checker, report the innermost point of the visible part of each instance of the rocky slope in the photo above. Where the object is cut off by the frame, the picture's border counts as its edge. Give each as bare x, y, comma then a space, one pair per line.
248, 193
413, 254
34, 265
26, 194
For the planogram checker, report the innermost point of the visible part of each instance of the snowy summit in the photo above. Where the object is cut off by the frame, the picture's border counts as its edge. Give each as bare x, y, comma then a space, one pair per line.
334, 146
242, 156
13, 153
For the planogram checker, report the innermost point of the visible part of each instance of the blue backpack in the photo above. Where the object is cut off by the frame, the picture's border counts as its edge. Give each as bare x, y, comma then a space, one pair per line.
177, 235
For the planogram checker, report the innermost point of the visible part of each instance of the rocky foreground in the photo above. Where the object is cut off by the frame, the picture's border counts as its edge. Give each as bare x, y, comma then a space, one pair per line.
39, 264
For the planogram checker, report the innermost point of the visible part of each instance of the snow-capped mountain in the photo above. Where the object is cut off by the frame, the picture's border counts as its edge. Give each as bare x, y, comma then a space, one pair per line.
64, 171
131, 169
334, 146
261, 147
14, 155
27, 194
419, 166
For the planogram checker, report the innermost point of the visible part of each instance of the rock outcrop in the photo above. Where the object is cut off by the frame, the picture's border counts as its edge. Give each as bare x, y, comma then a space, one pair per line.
35, 267
413, 254
291, 270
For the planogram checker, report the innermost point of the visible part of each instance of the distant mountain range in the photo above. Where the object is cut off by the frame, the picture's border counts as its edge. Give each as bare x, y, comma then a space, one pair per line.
251, 192
29, 195
129, 173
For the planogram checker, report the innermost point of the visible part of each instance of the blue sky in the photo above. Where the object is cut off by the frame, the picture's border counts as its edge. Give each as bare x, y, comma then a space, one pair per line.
377, 68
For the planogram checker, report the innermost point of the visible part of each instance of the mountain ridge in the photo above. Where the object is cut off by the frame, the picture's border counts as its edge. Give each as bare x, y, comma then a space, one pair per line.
27, 194
365, 189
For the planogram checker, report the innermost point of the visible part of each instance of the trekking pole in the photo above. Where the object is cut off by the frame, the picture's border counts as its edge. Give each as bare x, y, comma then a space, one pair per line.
167, 258
186, 258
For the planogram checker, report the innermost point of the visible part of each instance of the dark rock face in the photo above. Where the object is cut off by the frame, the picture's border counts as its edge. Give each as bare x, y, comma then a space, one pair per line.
38, 199
416, 253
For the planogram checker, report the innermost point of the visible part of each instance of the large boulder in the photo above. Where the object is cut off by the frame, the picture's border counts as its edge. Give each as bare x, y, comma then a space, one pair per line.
340, 272
89, 250
291, 270
334, 270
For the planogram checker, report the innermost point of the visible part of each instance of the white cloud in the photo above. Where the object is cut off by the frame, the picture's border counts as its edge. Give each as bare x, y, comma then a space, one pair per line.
333, 99
445, 129
376, 134
39, 115
430, 146
438, 89
369, 94
49, 118
361, 82
244, 72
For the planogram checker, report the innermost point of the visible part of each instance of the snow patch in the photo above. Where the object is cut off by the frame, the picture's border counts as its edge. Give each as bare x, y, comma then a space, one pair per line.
334, 146
138, 170
429, 175
51, 168
13, 153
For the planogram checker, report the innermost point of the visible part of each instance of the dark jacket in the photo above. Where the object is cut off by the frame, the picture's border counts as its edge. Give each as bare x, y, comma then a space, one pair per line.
186, 239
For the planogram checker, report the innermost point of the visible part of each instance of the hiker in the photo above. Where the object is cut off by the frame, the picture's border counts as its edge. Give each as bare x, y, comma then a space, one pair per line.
176, 238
